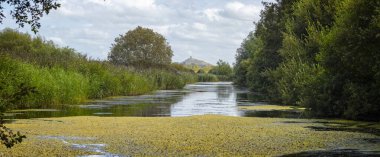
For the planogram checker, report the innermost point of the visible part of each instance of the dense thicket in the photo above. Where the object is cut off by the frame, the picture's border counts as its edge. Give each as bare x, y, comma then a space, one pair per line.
323, 55
37, 73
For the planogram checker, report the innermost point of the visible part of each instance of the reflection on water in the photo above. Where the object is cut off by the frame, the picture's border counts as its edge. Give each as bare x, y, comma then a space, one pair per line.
207, 98
195, 99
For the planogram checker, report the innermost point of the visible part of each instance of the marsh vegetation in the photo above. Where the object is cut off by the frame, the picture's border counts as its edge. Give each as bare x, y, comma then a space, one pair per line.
205, 119
207, 135
307, 67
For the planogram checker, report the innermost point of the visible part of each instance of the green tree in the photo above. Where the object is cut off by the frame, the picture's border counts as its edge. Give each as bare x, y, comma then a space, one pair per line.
319, 54
242, 58
268, 40
350, 54
141, 47
222, 68
28, 11
301, 43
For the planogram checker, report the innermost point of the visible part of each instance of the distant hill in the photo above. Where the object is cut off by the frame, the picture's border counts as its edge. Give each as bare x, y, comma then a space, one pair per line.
195, 62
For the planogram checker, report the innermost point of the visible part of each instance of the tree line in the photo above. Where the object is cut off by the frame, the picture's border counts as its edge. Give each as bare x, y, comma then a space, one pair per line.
323, 55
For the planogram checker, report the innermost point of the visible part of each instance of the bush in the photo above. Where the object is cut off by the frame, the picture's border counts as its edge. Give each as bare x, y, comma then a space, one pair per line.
207, 78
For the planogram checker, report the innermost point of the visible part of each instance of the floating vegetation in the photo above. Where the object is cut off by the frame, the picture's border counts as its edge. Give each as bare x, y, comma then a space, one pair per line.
96, 148
207, 135
337, 152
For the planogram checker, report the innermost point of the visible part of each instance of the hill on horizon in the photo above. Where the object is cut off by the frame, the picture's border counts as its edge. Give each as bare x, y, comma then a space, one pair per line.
196, 64
193, 62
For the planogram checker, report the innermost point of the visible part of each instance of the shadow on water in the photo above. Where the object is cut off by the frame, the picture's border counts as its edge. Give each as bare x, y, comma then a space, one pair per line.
135, 110
353, 126
336, 153
274, 114
347, 127
361, 130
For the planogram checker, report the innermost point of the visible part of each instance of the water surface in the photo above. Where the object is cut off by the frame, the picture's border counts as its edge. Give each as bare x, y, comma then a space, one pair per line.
222, 98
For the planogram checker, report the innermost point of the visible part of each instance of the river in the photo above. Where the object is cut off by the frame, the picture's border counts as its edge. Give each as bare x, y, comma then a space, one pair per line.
222, 98
286, 135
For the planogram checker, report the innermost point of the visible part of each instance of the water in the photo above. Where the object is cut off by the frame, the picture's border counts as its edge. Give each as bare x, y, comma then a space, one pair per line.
220, 98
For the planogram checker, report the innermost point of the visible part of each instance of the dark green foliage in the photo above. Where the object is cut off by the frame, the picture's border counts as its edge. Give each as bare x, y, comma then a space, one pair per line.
351, 56
141, 47
326, 57
28, 11
243, 60
7, 137
207, 78
222, 70
11, 93
267, 40
37, 51
301, 43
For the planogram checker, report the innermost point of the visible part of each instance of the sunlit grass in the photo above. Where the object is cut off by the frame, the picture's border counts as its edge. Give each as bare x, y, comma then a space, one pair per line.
196, 136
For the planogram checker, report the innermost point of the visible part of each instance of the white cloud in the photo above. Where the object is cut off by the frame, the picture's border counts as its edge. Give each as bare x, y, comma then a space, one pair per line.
208, 30
200, 26
138, 4
212, 14
241, 11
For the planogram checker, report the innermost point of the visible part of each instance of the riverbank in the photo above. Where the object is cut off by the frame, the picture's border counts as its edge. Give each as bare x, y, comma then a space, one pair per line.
36, 73
207, 135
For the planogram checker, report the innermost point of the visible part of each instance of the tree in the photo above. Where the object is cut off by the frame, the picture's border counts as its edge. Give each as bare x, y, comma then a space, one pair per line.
268, 40
319, 54
350, 54
242, 60
301, 42
222, 68
141, 47
28, 11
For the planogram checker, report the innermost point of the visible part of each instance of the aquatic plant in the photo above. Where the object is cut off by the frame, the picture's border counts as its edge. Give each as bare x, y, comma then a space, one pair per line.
208, 135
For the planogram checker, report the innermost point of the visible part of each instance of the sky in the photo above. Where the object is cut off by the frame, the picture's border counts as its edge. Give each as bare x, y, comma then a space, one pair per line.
204, 29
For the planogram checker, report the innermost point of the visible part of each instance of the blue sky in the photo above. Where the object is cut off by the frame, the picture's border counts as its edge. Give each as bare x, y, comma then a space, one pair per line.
207, 30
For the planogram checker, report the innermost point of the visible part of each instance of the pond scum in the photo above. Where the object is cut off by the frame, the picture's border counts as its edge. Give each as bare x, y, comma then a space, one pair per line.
207, 135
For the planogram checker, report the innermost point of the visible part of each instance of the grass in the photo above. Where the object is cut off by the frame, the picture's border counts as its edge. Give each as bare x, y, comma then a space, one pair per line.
207, 135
